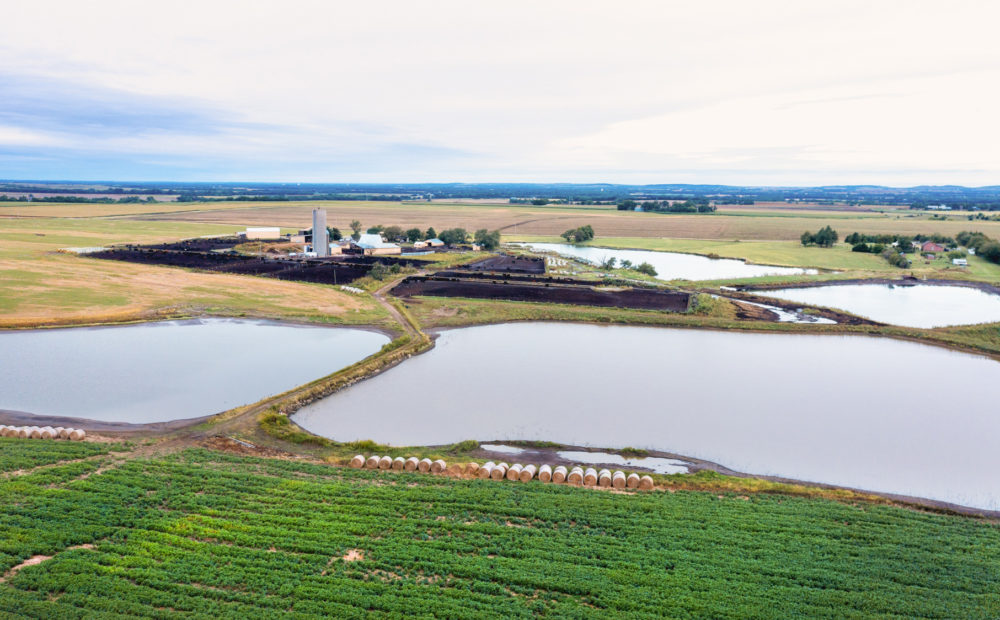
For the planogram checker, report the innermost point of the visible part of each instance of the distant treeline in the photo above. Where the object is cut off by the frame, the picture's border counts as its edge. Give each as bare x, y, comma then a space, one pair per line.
84, 199
696, 205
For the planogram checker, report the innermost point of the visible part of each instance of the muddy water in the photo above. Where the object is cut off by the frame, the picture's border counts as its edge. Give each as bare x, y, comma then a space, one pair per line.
875, 414
910, 306
672, 265
156, 372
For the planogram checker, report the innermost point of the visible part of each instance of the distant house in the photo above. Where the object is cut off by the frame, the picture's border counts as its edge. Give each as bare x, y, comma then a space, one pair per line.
961, 262
374, 245
931, 248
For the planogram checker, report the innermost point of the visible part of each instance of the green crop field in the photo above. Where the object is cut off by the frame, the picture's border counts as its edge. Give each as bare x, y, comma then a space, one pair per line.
20, 454
208, 534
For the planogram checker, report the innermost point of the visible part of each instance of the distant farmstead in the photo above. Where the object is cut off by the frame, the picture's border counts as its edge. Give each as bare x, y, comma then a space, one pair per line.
374, 245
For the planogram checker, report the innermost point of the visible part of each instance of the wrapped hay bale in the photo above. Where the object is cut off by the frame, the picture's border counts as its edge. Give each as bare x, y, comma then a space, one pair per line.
59, 432
78, 434
398, 463
499, 471
48, 432
604, 477
575, 476
3, 430
486, 470
411, 464
385, 462
514, 472
8, 431
64, 433
645, 483
632, 481
472, 469
358, 461
527, 473
23, 432
424, 465
438, 466
545, 473
618, 479
559, 474
372, 462
590, 477
35, 432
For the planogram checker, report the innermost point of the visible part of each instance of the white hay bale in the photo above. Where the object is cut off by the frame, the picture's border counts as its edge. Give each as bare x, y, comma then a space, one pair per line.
372, 462
385, 462
499, 471
3, 429
632, 481
515, 471
358, 461
472, 469
545, 473
59, 432
559, 474
48, 432
618, 479
604, 477
24, 432
398, 463
645, 483
411, 464
424, 465
8, 431
590, 477
35, 432
64, 433
438, 466
527, 473
487, 469
575, 476
78, 434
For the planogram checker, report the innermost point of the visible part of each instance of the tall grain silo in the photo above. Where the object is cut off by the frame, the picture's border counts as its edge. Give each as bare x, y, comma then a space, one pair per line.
321, 237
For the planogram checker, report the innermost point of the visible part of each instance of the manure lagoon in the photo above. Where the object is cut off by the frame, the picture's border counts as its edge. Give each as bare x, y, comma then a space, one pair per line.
870, 413
155, 372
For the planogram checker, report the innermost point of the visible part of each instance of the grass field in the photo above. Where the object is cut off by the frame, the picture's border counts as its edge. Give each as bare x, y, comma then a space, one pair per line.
42, 286
147, 537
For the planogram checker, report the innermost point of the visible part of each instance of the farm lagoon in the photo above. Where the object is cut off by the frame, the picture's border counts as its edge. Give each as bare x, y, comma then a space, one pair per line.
155, 372
869, 413
671, 265
921, 305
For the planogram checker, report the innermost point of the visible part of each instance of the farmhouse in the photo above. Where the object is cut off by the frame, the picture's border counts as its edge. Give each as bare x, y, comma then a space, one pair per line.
931, 248
373, 245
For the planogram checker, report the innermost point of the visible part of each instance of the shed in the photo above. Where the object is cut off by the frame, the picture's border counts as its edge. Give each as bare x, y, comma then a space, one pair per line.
374, 245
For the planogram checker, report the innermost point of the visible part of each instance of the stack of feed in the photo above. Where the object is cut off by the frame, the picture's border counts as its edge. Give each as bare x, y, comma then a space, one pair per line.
398, 463
43, 432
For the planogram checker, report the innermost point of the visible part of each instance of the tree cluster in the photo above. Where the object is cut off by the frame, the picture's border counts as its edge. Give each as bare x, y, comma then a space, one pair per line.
695, 205
824, 238
579, 235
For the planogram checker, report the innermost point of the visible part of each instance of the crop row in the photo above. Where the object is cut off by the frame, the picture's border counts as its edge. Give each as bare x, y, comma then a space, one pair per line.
24, 454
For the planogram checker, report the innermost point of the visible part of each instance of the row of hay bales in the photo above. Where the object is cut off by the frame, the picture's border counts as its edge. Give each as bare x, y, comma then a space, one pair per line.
43, 432
525, 473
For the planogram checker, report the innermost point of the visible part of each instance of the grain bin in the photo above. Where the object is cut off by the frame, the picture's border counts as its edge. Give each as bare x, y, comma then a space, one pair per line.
472, 468
590, 477
438, 466
499, 471
411, 464
559, 474
527, 473
645, 483
514, 472
575, 476
358, 461
398, 463
618, 479
632, 481
545, 473
486, 469
604, 477
78, 434
372, 462
424, 465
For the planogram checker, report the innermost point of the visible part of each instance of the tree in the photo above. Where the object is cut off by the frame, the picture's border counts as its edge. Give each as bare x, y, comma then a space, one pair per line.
646, 268
489, 240
626, 264
454, 236
376, 230
356, 227
379, 271
825, 238
414, 234
431, 233
393, 233
579, 235
990, 251
807, 238
334, 233
609, 263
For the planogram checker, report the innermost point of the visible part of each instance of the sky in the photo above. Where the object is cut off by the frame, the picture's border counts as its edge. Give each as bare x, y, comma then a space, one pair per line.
750, 93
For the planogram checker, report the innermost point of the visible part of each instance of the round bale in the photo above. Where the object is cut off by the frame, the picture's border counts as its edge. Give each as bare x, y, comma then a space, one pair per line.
590, 477
472, 468
358, 461
23, 432
78, 434
527, 473
398, 463
499, 471
559, 474
486, 470
385, 462
64, 433
59, 432
545, 473
3, 430
411, 464
48, 432
372, 462
604, 478
438, 466
645, 483
515, 471
575, 476
618, 479
8, 431
35, 432
424, 465
632, 481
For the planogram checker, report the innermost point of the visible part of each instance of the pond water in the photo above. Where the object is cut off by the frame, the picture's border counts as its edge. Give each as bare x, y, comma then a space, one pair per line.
671, 265
155, 372
922, 305
871, 413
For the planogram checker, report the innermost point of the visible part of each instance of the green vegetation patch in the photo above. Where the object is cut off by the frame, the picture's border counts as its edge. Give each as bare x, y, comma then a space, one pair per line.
18, 454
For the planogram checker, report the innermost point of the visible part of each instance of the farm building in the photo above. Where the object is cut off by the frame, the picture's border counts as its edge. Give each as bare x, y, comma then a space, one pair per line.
261, 233
931, 248
961, 262
435, 243
373, 245
419, 244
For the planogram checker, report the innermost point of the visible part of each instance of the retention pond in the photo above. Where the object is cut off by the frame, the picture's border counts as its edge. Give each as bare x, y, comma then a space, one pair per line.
869, 413
671, 265
155, 372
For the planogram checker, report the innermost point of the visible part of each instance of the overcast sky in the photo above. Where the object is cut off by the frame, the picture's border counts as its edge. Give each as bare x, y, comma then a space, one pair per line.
760, 93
